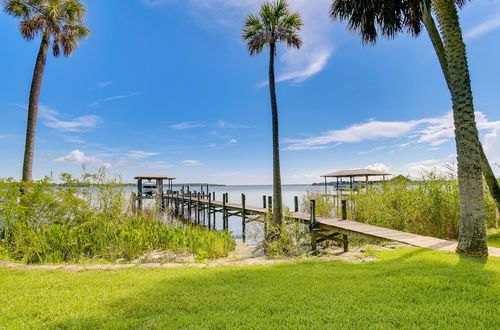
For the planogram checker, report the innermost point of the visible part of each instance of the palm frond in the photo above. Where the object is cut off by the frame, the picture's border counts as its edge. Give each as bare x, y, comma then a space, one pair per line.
17, 8
59, 20
274, 23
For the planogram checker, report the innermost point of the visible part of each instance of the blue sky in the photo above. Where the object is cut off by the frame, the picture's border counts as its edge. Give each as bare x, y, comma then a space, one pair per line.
167, 86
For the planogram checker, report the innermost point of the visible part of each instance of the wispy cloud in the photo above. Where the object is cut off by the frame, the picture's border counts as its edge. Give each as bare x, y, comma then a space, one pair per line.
112, 98
191, 162
298, 65
432, 131
79, 157
139, 154
187, 125
131, 159
486, 26
225, 124
103, 84
54, 119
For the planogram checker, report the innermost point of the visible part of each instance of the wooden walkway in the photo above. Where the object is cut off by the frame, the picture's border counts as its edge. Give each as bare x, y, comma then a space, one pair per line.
333, 225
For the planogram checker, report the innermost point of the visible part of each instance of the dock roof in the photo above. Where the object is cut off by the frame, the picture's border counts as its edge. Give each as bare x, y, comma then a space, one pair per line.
353, 173
152, 176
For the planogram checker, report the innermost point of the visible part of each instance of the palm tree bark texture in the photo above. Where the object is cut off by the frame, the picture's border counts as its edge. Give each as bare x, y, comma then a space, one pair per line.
472, 236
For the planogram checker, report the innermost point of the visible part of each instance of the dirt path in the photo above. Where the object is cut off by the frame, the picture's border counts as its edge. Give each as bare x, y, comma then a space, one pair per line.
243, 255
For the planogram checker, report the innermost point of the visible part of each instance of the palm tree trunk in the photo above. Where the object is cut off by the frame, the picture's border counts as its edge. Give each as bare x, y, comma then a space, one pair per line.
472, 236
36, 85
277, 203
435, 37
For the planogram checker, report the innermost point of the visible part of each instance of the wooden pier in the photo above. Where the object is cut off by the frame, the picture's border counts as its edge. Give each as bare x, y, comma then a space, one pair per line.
202, 207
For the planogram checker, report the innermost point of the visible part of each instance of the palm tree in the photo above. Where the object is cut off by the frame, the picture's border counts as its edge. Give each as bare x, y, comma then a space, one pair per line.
393, 16
60, 24
273, 24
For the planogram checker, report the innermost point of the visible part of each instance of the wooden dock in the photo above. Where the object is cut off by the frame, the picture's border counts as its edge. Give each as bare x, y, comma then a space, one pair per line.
322, 228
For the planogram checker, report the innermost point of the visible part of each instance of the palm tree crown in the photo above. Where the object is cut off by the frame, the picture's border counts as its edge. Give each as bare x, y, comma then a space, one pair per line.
274, 23
60, 19
385, 17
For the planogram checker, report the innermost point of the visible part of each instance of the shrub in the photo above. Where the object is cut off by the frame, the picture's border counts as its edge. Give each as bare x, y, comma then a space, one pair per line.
429, 206
90, 218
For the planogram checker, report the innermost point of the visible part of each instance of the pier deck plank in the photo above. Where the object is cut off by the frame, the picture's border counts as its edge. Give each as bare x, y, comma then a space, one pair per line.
357, 228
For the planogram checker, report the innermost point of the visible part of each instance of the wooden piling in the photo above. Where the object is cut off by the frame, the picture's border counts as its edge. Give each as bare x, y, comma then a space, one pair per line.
264, 200
296, 203
344, 209
243, 217
312, 224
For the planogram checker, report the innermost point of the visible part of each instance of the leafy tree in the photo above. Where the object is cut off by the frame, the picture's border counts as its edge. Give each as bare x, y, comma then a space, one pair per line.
59, 23
274, 23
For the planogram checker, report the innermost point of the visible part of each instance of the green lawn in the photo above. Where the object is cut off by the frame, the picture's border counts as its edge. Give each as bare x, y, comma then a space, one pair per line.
409, 288
494, 238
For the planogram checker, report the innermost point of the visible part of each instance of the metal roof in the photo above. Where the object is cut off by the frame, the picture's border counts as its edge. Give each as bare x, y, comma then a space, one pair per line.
353, 173
152, 176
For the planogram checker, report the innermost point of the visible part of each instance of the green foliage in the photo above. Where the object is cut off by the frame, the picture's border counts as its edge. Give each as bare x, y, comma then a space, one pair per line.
403, 289
90, 218
290, 239
429, 206
325, 205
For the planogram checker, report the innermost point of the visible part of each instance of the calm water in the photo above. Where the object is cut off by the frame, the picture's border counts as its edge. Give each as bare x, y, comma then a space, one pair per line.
253, 198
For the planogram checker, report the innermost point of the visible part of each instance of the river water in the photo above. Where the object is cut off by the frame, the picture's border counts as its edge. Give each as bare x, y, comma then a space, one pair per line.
253, 196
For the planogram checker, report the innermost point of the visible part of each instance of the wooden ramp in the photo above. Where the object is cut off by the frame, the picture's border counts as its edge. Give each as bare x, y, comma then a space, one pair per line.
347, 227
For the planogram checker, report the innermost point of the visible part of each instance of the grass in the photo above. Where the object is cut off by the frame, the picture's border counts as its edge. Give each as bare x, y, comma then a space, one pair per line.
405, 288
494, 238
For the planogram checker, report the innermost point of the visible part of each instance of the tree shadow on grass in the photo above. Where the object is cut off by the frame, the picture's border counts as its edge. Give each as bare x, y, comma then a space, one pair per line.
419, 288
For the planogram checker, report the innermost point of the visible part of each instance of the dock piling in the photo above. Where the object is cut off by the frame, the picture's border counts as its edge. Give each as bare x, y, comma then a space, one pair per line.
243, 217
344, 209
296, 203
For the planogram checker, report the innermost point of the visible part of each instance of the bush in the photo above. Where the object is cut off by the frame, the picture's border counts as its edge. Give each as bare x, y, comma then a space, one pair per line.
89, 218
430, 206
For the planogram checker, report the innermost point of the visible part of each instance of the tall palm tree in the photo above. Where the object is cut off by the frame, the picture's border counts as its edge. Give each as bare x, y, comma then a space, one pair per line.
274, 23
60, 25
393, 16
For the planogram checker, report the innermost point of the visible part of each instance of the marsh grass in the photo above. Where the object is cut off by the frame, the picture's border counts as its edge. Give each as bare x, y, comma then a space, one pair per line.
90, 218
429, 206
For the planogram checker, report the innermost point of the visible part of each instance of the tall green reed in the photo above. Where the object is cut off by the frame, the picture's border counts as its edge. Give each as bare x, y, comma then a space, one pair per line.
90, 218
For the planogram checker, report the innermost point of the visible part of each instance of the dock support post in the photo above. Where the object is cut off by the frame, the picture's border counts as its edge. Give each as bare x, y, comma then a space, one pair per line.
198, 209
270, 203
223, 211
346, 242
243, 217
190, 205
139, 195
209, 211
296, 203
264, 198
344, 209
312, 225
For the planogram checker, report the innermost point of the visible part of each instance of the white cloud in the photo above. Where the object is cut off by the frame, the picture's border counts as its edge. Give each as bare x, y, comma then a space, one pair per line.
192, 162
112, 98
187, 125
139, 154
103, 84
436, 166
298, 65
224, 124
381, 167
79, 157
233, 141
486, 26
54, 119
432, 131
